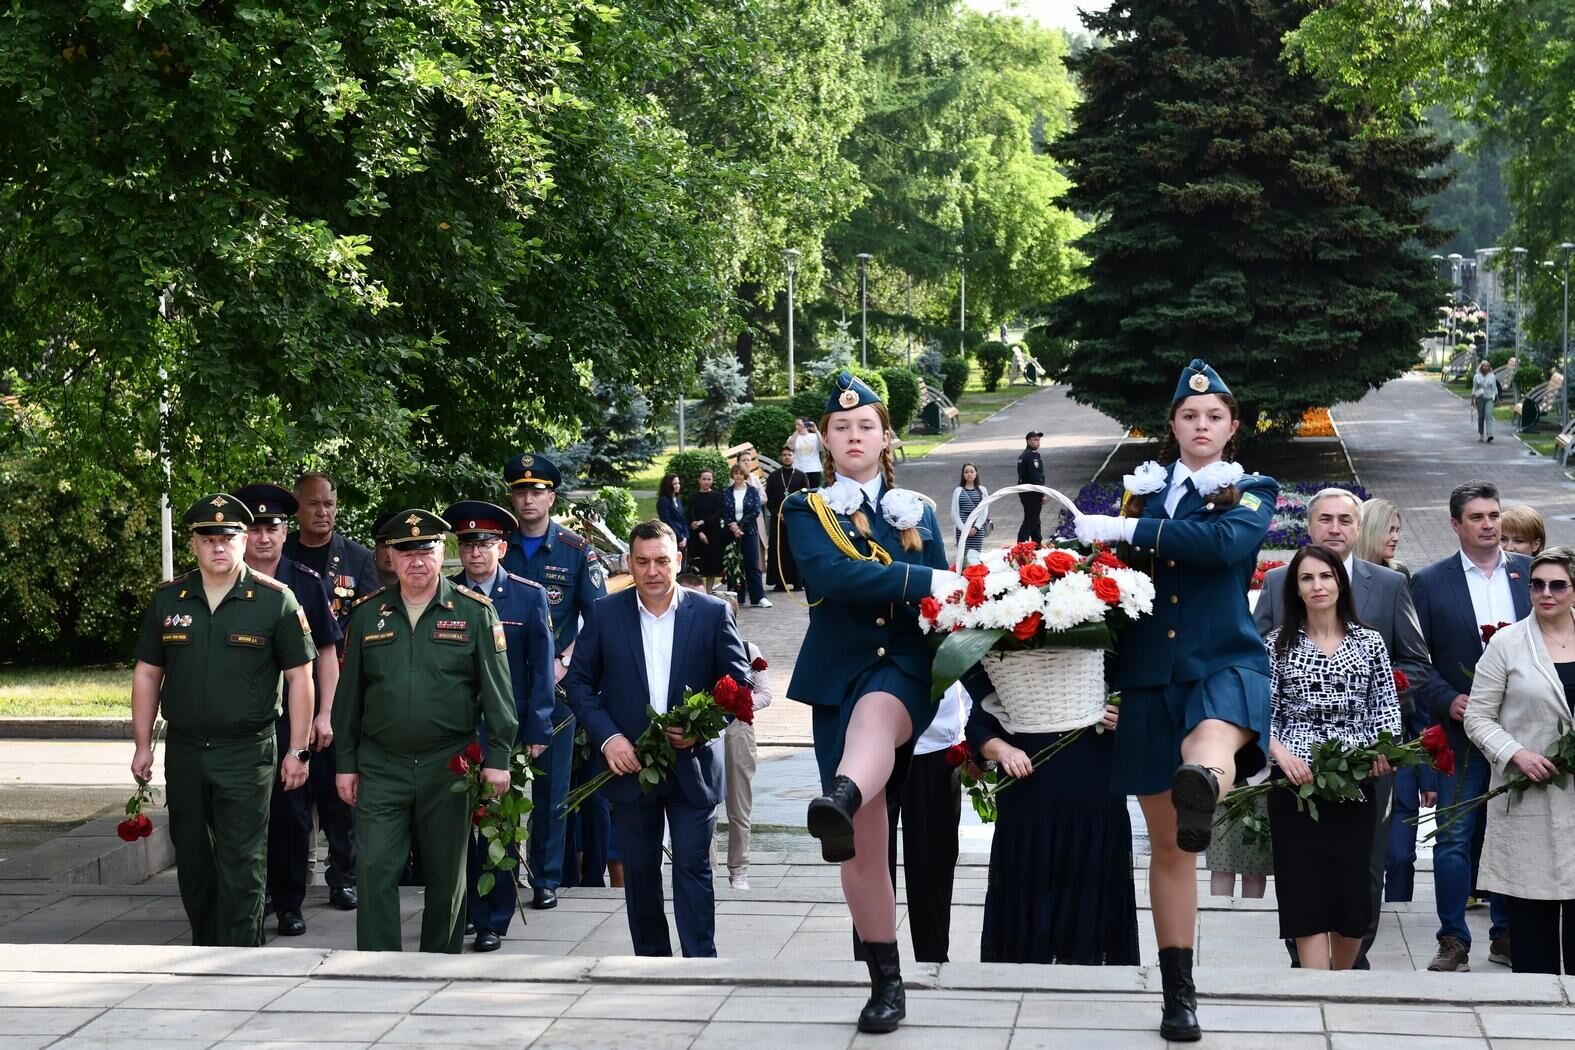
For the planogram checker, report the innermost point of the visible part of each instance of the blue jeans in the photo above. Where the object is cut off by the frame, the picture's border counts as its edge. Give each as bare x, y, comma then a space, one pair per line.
1452, 850
545, 847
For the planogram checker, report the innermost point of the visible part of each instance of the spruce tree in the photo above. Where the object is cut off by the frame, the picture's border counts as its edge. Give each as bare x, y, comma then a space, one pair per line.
1242, 218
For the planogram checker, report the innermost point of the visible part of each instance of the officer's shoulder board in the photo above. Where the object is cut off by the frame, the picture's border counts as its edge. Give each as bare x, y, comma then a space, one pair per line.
307, 570
182, 578
367, 597
575, 540
268, 581
523, 581
474, 596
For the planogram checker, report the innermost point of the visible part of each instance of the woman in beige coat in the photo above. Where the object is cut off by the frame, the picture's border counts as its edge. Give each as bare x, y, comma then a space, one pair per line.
1520, 705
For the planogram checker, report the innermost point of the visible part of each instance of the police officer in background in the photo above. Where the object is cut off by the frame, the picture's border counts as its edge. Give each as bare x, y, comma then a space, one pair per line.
425, 664
290, 840
213, 644
566, 565
347, 571
1031, 471
522, 606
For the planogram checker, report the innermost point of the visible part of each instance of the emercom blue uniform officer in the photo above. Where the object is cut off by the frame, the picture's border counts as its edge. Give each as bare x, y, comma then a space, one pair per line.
522, 606
565, 564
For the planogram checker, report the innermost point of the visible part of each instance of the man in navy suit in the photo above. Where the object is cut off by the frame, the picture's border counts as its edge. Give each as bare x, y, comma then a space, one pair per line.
1456, 598
642, 649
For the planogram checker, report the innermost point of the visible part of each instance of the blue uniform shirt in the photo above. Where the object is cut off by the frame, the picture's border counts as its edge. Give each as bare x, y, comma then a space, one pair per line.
307, 587
522, 606
1202, 561
568, 568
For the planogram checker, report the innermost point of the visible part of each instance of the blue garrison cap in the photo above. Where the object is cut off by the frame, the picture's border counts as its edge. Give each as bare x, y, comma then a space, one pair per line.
849, 393
1199, 378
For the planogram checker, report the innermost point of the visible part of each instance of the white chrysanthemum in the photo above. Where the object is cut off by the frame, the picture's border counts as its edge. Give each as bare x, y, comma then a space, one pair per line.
902, 507
1000, 582
950, 616
1150, 477
843, 495
1018, 605
1215, 476
1137, 591
995, 559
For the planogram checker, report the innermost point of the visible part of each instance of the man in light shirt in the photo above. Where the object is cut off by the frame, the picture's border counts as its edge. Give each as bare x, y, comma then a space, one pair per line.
642, 649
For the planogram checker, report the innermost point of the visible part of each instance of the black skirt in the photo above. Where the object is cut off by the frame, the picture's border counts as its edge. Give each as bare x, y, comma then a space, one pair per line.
1321, 866
1060, 888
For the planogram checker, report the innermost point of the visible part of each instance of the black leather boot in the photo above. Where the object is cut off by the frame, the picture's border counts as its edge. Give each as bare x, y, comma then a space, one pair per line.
1194, 791
1180, 1021
888, 1003
831, 819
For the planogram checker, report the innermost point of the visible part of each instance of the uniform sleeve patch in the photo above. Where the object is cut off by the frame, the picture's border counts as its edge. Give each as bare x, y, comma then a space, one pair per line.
1251, 501
306, 628
498, 641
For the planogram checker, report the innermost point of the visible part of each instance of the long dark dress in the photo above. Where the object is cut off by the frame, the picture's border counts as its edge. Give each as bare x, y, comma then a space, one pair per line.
706, 558
1060, 888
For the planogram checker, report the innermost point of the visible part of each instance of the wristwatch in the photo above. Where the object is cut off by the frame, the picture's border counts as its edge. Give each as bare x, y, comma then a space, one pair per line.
564, 658
300, 754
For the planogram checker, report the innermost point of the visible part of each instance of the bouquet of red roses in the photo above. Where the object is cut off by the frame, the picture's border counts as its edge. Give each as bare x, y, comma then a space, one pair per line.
702, 716
137, 825
498, 819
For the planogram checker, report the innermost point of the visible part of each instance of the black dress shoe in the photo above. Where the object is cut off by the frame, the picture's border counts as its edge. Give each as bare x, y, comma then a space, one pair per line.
291, 924
487, 941
470, 927
888, 1003
831, 819
343, 898
1179, 1023
1194, 791
544, 899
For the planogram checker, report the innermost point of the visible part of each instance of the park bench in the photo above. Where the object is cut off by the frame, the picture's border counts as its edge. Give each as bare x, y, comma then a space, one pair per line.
936, 409
763, 464
1460, 365
1538, 402
1506, 380
1563, 441
898, 454
1025, 369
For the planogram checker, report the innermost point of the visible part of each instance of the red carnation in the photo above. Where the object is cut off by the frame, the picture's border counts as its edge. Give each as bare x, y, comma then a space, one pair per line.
1402, 683
976, 571
127, 830
956, 755
759, 662
1107, 590
1027, 627
976, 595
1060, 563
929, 608
1033, 575
473, 753
458, 765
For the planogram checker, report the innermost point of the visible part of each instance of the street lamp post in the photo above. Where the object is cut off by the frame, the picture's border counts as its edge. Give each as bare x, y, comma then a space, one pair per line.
908, 324
1566, 248
864, 309
1454, 297
1520, 257
166, 515
789, 259
1483, 254
962, 305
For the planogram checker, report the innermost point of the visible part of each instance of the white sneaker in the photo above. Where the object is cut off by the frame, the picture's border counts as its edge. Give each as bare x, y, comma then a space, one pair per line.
764, 603
738, 880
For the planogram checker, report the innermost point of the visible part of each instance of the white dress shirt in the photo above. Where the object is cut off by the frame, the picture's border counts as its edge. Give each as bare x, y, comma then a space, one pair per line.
656, 642
1491, 599
1178, 483
738, 504
872, 490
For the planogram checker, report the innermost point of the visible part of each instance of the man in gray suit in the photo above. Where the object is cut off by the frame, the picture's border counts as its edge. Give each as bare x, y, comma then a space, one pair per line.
1383, 601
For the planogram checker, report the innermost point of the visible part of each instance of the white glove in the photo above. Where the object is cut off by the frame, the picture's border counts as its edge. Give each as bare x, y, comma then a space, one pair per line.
944, 582
1105, 528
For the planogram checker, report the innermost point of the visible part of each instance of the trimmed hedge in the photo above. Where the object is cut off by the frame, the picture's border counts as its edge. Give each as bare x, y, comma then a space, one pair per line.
809, 403
954, 376
902, 389
1049, 350
765, 426
1529, 375
687, 465
993, 357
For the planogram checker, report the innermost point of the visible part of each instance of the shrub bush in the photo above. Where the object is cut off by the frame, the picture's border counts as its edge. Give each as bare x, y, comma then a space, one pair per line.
954, 376
902, 389
1051, 351
993, 357
619, 510
1500, 358
764, 426
687, 465
1529, 375
809, 403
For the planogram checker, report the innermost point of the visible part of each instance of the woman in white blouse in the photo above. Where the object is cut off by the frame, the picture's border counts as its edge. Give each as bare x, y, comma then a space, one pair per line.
1330, 679
806, 451
1520, 705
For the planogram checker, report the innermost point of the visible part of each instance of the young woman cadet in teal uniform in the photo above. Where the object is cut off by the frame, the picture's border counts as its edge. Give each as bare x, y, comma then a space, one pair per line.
1194, 677
868, 552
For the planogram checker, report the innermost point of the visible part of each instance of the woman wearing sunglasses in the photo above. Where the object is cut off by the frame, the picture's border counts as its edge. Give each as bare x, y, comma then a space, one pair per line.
1520, 705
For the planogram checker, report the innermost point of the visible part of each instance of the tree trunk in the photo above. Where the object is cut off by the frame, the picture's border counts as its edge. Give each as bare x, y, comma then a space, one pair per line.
748, 298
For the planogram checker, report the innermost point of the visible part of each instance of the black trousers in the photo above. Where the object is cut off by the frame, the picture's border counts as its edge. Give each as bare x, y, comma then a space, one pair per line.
1033, 503
930, 808
1544, 934
290, 840
336, 819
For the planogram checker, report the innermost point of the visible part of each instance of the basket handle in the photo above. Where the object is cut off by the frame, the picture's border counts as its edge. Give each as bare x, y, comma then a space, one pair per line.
1012, 490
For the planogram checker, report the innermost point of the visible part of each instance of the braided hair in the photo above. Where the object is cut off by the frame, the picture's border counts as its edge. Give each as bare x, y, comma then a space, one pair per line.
1170, 451
910, 537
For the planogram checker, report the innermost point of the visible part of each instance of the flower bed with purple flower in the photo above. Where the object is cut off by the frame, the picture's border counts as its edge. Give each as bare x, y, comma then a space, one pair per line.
1287, 530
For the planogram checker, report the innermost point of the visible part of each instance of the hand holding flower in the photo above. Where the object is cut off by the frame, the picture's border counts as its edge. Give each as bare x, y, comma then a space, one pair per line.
1536, 767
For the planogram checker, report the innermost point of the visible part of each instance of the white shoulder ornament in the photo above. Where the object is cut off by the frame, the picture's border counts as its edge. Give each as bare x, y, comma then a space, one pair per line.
1217, 476
844, 496
902, 507
1149, 478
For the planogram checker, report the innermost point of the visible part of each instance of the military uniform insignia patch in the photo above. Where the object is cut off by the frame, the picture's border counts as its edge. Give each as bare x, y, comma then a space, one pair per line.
554, 594
1251, 501
598, 575
498, 641
452, 625
451, 636
306, 628
378, 637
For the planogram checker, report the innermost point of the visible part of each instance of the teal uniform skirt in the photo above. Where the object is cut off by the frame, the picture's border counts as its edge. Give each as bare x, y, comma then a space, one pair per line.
830, 724
1154, 721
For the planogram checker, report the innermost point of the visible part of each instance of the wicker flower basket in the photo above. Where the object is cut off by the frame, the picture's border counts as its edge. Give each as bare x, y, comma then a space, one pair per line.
1048, 690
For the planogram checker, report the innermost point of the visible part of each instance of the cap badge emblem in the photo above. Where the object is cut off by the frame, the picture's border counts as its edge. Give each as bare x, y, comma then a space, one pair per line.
472, 524
848, 398
527, 461
217, 501
414, 519
262, 508
219, 516
1198, 382
415, 530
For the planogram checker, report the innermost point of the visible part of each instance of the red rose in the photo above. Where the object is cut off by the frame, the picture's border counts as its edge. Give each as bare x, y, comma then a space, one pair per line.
477, 817
127, 830
1022, 553
1436, 743
473, 753
1033, 575
1060, 563
1107, 590
1402, 683
1444, 762
1027, 627
458, 765
759, 662
929, 608
1488, 631
977, 571
143, 825
976, 594
1106, 560
956, 755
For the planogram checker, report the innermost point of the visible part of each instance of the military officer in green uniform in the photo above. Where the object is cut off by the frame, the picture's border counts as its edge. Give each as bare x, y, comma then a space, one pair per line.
212, 646
425, 663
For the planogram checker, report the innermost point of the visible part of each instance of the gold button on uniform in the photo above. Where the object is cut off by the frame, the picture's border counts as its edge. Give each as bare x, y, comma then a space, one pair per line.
1174, 599
1170, 634
880, 621
881, 651
1170, 564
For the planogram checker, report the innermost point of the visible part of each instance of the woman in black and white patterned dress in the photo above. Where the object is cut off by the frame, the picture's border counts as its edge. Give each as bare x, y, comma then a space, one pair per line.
1330, 679
968, 494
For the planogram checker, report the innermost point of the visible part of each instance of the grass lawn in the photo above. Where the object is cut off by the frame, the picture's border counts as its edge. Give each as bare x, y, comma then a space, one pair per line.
87, 692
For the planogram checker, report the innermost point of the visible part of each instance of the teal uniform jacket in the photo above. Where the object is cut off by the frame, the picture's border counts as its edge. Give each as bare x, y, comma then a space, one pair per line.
1202, 561
862, 612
